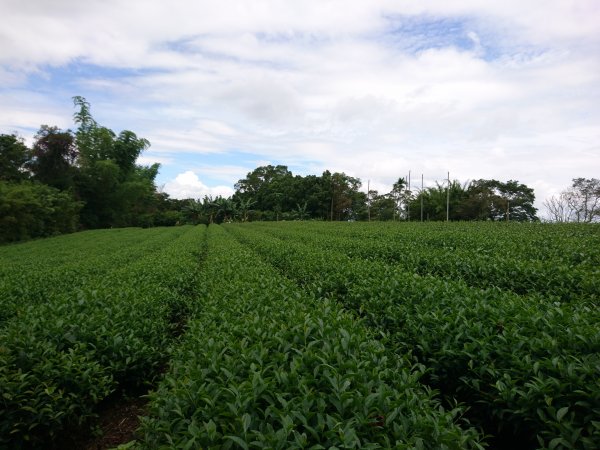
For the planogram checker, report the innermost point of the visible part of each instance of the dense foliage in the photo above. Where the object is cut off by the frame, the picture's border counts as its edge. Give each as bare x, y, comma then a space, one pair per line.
30, 210
523, 356
86, 315
308, 335
78, 180
273, 193
265, 365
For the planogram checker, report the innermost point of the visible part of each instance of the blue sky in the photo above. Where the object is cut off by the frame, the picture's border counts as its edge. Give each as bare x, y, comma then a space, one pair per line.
372, 88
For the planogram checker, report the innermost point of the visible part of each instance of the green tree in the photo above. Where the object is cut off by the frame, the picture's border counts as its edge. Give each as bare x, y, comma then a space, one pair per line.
126, 150
301, 211
95, 143
14, 154
29, 210
276, 193
435, 200
117, 192
402, 197
270, 187
98, 143
168, 210
136, 198
496, 200
316, 192
344, 192
193, 210
98, 186
54, 157
244, 208
225, 209
383, 207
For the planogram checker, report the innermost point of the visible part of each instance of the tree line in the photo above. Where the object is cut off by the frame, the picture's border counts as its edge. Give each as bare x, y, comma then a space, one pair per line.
83, 179
579, 203
275, 193
88, 178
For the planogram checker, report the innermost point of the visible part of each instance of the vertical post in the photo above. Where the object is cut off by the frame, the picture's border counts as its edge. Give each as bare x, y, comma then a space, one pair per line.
421, 197
369, 199
507, 210
448, 199
408, 200
332, 196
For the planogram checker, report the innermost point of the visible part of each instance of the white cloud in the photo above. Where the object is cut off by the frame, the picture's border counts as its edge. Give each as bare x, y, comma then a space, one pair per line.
188, 185
150, 159
225, 173
321, 84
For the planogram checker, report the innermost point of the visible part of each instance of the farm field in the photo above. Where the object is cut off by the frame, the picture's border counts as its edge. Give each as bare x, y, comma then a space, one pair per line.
308, 335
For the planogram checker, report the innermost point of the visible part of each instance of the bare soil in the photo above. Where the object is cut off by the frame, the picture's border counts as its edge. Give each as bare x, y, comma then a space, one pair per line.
117, 424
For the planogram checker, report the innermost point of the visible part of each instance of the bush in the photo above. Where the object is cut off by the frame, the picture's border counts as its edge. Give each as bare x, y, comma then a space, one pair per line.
30, 210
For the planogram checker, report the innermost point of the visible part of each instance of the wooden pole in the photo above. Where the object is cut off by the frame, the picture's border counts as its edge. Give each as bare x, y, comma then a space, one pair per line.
448, 199
369, 198
421, 197
408, 200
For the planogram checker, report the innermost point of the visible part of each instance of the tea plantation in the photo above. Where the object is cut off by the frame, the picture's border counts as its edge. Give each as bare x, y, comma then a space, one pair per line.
307, 335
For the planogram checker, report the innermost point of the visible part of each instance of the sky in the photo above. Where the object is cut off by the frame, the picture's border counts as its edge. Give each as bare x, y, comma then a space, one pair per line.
507, 90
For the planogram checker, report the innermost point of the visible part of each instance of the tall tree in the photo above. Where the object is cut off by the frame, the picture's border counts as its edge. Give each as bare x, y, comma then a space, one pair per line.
244, 207
117, 192
584, 198
519, 200
94, 142
98, 187
344, 195
225, 209
136, 197
383, 207
126, 150
315, 191
14, 154
559, 208
53, 157
98, 143
269, 186
496, 200
435, 200
579, 203
193, 211
401, 197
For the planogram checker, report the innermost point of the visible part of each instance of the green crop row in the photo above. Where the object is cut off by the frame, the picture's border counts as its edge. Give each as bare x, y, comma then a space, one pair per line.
59, 250
419, 248
264, 365
527, 366
565, 244
110, 332
33, 277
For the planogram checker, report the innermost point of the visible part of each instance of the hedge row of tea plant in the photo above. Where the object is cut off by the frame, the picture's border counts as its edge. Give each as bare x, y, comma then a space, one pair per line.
521, 258
33, 273
112, 331
265, 365
527, 366
567, 244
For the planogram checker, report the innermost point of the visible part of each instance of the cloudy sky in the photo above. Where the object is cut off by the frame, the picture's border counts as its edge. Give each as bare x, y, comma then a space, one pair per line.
373, 88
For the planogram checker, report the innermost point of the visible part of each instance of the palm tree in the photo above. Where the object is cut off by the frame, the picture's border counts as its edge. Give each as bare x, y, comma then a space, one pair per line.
399, 193
301, 210
208, 205
194, 209
225, 208
243, 207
